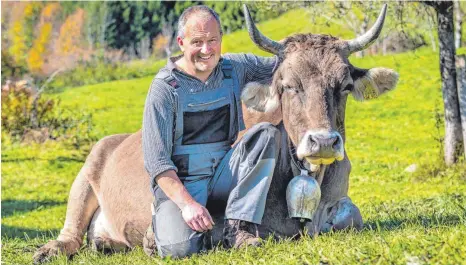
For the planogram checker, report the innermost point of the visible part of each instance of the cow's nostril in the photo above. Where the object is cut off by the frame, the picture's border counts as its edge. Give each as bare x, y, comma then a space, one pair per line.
336, 142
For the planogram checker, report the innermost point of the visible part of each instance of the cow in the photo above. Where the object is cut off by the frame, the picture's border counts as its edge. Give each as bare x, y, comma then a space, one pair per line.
110, 198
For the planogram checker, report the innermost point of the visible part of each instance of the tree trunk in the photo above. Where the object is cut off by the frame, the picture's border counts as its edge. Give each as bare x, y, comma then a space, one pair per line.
461, 71
458, 24
453, 137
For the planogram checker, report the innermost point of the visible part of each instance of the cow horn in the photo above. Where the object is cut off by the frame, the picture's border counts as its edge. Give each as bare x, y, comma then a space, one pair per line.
260, 40
364, 41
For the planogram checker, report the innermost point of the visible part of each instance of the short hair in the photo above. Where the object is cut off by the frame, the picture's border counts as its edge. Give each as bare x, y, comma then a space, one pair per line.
200, 9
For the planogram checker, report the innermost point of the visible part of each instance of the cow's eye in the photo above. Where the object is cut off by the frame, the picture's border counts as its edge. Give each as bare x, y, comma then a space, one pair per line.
291, 89
348, 88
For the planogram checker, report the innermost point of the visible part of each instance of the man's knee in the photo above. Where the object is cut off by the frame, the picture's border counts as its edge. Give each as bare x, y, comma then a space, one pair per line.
264, 134
266, 129
182, 249
262, 141
173, 236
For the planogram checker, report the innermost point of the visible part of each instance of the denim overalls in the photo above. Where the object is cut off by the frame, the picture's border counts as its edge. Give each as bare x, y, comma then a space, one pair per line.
206, 125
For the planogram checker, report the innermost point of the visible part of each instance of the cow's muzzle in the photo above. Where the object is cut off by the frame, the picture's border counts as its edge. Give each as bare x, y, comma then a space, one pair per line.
321, 147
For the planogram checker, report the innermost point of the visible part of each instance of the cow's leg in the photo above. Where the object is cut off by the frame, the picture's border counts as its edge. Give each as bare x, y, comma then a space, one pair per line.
336, 211
99, 238
82, 204
82, 201
344, 214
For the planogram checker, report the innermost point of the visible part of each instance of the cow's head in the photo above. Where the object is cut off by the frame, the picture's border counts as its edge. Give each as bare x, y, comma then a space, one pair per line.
311, 85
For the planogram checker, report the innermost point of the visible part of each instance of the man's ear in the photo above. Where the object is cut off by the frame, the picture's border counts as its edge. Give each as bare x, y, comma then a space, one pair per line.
180, 42
260, 97
371, 83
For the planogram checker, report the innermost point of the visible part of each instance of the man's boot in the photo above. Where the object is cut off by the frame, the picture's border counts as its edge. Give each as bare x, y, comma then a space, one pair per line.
239, 233
148, 242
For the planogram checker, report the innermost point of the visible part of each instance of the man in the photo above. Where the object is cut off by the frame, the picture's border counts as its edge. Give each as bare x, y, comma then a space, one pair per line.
192, 117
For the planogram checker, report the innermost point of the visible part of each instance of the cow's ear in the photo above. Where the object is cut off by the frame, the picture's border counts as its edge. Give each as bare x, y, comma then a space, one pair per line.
371, 83
260, 97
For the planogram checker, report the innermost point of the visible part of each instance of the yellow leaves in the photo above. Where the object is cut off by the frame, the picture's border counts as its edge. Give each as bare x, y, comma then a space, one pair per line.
18, 48
30, 8
34, 60
71, 31
39, 49
50, 11
40, 46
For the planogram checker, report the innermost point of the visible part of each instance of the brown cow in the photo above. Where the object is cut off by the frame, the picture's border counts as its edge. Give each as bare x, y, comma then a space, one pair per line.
110, 198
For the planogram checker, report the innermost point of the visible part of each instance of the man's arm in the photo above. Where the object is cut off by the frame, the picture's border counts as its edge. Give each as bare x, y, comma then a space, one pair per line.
157, 135
250, 67
195, 215
157, 130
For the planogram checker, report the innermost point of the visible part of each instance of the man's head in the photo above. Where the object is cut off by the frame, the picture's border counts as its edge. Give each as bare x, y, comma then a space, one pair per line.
200, 38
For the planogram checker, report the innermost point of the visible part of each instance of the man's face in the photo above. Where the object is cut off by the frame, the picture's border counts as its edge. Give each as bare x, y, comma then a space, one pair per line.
201, 44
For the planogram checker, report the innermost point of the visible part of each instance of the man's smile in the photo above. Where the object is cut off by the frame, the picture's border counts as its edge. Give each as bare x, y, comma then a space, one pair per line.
205, 58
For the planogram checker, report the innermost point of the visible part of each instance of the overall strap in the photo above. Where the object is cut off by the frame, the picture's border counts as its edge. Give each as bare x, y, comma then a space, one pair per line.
228, 73
227, 69
168, 78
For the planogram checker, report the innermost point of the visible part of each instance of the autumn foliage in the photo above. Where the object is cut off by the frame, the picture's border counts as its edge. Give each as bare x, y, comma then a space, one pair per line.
70, 36
40, 49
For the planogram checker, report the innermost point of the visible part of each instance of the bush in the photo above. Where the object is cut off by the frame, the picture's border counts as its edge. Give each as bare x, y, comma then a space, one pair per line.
24, 120
11, 69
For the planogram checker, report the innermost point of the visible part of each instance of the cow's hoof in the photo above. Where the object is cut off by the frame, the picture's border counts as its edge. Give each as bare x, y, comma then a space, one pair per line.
107, 245
148, 242
53, 249
344, 215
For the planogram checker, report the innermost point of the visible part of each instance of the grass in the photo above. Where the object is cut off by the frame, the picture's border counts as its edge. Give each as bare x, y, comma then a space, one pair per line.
416, 218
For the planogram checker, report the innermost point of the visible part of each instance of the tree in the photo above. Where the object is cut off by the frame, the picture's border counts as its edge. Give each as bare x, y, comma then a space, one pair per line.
447, 52
459, 14
70, 32
132, 26
97, 22
39, 52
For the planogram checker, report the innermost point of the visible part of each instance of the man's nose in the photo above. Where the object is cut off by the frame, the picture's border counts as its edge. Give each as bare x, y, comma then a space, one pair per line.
205, 48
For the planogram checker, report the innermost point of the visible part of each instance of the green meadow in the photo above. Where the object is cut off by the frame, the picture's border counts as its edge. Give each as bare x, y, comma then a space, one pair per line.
415, 218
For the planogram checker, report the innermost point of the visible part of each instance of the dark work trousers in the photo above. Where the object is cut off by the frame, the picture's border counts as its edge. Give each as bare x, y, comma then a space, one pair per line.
242, 180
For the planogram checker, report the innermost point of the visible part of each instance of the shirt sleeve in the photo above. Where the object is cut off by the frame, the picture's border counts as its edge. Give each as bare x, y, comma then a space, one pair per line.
250, 67
157, 129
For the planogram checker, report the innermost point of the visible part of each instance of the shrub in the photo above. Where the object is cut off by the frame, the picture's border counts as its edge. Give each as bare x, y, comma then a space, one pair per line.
26, 118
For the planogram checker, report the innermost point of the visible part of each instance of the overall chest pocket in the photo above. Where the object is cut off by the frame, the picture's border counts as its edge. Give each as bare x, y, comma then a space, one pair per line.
206, 126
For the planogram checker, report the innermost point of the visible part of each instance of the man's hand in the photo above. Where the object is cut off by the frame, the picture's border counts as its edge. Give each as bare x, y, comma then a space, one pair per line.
197, 217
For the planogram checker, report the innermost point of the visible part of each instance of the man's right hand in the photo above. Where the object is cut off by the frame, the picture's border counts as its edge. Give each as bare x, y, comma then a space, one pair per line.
197, 217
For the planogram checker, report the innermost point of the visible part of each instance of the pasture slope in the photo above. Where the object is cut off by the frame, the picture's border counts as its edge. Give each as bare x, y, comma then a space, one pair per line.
415, 218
